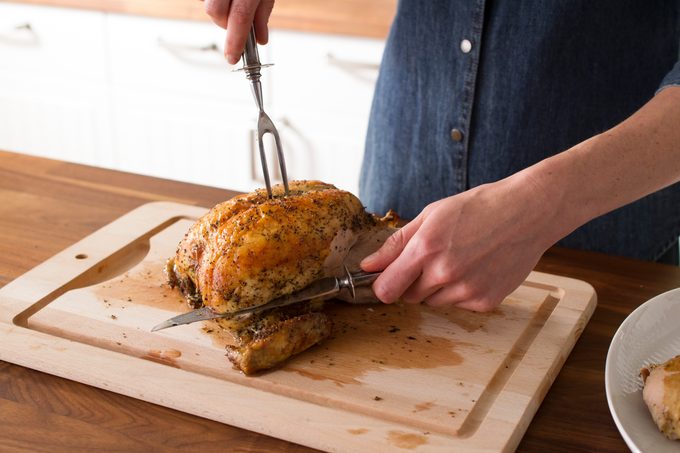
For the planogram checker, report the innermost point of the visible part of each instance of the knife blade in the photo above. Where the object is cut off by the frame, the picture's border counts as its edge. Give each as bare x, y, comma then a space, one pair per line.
326, 287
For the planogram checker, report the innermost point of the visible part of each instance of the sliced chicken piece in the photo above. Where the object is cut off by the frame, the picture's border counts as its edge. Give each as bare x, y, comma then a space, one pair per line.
661, 393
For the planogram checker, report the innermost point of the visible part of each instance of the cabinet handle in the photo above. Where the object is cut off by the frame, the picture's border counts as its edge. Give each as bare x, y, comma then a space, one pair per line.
350, 65
22, 34
175, 47
183, 51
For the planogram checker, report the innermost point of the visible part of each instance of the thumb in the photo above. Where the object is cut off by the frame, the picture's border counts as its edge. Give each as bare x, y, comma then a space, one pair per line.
392, 247
264, 10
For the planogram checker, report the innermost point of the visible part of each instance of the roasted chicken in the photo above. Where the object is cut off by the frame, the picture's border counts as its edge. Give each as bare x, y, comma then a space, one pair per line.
661, 393
252, 249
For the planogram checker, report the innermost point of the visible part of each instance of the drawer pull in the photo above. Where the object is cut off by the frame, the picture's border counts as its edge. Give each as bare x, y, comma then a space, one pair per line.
22, 34
177, 48
197, 54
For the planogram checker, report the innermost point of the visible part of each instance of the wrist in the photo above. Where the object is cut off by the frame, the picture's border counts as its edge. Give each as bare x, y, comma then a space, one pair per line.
556, 197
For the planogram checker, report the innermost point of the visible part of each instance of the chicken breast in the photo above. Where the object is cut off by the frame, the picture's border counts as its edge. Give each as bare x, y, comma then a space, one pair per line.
252, 249
661, 393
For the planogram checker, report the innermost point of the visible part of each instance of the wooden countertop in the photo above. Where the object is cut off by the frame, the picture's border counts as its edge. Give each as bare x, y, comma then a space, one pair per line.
48, 205
368, 18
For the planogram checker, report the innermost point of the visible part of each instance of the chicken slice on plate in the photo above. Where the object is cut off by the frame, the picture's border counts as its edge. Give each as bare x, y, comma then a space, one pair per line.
252, 249
662, 395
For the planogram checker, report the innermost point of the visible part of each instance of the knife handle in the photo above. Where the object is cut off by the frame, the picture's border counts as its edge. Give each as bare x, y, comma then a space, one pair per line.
364, 278
352, 281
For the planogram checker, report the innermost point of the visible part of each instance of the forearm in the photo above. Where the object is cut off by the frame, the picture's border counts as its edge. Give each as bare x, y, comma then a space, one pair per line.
637, 157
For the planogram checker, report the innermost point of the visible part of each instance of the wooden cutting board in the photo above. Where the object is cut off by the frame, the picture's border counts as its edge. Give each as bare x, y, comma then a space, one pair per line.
392, 377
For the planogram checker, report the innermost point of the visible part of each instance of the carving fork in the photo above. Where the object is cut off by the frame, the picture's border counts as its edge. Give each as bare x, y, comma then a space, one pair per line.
252, 66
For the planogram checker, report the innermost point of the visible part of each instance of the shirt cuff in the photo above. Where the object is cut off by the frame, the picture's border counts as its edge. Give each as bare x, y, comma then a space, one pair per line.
672, 79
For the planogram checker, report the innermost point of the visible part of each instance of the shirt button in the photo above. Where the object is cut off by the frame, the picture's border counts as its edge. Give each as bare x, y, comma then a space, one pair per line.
466, 46
456, 135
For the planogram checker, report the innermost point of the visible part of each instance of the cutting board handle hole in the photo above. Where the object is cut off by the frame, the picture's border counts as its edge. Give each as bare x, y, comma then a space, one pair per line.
81, 256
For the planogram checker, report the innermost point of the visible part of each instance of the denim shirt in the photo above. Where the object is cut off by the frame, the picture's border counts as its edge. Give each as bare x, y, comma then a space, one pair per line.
471, 92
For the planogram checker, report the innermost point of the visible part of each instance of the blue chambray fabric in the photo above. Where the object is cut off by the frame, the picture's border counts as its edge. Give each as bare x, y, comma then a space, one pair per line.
541, 76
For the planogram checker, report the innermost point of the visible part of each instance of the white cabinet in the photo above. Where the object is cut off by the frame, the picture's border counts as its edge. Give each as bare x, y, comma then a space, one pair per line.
181, 138
178, 110
52, 43
156, 97
322, 92
324, 72
177, 57
54, 119
53, 99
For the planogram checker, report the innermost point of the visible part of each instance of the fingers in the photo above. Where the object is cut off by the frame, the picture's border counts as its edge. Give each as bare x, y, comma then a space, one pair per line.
240, 21
261, 19
218, 10
391, 249
397, 261
396, 278
238, 16
463, 296
398, 270
482, 306
420, 290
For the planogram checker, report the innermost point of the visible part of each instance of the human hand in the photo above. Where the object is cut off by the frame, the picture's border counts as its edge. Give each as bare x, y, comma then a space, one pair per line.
237, 16
470, 250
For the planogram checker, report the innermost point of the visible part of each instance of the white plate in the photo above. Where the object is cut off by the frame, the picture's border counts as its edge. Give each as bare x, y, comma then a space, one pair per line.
651, 334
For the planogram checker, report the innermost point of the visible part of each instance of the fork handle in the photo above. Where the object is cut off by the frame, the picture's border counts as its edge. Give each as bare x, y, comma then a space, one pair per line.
251, 57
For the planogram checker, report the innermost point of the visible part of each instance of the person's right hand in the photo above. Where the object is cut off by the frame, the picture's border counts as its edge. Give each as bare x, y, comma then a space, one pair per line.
237, 16
470, 250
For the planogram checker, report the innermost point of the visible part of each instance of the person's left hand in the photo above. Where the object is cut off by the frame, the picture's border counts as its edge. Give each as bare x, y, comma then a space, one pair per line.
238, 16
470, 250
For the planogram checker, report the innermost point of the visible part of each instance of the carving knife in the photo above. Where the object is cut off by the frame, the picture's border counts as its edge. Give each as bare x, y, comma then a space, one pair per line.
326, 287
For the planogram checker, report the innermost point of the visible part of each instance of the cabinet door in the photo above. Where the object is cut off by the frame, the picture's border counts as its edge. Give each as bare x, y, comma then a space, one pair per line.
179, 111
322, 92
54, 120
47, 43
324, 72
178, 57
329, 148
180, 137
53, 83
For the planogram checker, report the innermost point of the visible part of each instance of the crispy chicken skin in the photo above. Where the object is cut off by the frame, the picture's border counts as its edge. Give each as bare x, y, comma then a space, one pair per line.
252, 249
661, 393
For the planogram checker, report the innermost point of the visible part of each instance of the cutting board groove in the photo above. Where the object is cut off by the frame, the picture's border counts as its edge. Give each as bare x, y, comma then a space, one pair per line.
397, 377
